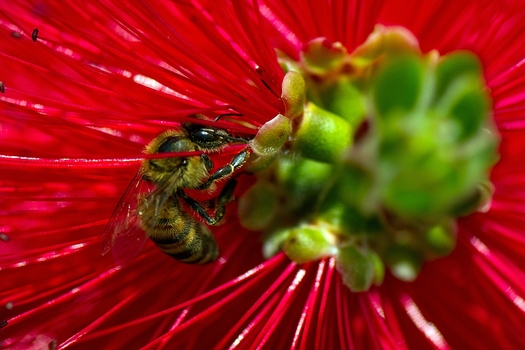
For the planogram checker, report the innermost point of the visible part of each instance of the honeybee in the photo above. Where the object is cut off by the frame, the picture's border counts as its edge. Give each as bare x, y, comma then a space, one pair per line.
152, 205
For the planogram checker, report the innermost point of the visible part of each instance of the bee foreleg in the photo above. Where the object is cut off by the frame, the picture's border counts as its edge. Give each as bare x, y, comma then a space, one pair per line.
226, 194
226, 170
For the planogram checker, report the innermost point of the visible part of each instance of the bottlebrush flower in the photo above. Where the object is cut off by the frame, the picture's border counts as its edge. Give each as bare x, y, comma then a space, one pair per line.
83, 96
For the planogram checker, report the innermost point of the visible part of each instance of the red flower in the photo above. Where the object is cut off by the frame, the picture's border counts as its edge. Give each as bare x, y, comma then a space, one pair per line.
104, 78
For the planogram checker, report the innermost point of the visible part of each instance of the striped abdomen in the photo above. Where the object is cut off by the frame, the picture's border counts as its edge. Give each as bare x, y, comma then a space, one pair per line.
179, 234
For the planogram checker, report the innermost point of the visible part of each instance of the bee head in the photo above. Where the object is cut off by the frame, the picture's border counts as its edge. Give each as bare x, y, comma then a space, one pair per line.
209, 138
160, 169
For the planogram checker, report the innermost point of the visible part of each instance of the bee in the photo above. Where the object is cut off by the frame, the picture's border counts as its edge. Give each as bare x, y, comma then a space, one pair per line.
152, 205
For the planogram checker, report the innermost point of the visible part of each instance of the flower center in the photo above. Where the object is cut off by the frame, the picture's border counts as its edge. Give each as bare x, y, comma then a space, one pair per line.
378, 153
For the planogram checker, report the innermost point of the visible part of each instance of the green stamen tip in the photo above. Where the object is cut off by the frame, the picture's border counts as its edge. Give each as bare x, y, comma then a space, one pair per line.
321, 57
294, 94
356, 268
307, 243
271, 136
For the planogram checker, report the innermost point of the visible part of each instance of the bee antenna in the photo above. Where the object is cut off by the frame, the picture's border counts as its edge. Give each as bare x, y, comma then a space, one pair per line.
236, 139
260, 71
228, 115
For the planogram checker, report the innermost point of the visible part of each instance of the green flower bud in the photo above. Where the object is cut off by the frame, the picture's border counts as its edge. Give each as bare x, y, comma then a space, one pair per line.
356, 268
441, 239
385, 41
308, 243
321, 135
398, 85
455, 65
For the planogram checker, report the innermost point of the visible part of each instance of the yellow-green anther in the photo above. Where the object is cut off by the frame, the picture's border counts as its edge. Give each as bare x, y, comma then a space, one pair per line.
293, 95
356, 268
321, 135
385, 41
271, 136
308, 243
258, 206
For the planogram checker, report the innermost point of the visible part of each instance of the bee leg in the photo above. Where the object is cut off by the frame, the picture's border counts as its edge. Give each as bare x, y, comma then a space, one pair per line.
207, 162
226, 170
197, 207
224, 198
226, 194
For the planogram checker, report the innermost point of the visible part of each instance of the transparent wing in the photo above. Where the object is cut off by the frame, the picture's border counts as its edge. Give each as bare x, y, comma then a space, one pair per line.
159, 197
123, 235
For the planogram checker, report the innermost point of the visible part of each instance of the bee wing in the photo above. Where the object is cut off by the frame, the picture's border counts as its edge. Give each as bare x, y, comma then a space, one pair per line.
123, 234
160, 195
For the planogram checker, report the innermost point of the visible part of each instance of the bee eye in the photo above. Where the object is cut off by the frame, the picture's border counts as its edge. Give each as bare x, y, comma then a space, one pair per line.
175, 144
206, 136
167, 145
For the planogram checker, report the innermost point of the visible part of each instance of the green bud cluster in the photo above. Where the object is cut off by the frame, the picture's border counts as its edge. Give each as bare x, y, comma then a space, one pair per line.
378, 152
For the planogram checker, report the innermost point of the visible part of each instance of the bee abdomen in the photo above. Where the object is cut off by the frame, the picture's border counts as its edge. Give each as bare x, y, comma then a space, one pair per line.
191, 242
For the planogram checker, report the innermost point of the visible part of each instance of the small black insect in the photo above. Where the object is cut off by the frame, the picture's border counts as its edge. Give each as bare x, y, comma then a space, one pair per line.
34, 35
